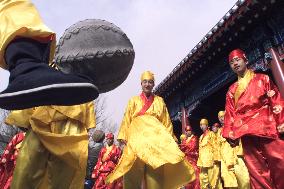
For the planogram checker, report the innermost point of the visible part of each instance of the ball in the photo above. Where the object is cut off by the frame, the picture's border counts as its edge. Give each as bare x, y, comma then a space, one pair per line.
97, 50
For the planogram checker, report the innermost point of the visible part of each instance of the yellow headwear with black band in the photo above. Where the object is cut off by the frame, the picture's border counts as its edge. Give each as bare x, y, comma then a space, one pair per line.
204, 122
221, 113
147, 75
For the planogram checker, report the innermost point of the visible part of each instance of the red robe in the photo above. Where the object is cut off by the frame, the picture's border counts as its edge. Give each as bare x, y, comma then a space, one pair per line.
253, 113
254, 118
190, 148
8, 160
105, 165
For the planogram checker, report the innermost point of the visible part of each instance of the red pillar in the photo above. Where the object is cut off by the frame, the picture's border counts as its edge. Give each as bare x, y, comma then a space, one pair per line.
277, 68
184, 120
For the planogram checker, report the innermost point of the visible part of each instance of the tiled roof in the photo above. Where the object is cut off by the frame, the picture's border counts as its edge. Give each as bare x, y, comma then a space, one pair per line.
227, 21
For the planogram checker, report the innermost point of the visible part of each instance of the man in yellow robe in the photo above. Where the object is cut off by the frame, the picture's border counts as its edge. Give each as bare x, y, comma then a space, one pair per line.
151, 150
55, 150
206, 160
233, 169
216, 153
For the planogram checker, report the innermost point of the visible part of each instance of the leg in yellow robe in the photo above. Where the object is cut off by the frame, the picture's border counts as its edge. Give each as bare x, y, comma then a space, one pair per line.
204, 178
242, 174
234, 171
133, 178
210, 177
54, 152
152, 152
214, 175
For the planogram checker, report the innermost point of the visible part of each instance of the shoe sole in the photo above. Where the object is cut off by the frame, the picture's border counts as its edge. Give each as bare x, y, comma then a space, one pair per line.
66, 94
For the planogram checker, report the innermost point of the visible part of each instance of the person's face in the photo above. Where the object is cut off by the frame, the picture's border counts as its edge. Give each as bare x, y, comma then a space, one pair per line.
214, 129
188, 133
147, 86
238, 66
203, 127
109, 141
221, 119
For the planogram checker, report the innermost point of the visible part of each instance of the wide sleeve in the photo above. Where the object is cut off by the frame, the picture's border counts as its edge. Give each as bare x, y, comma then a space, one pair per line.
166, 120
229, 114
90, 115
117, 155
275, 100
183, 146
217, 146
126, 121
20, 118
10, 149
98, 165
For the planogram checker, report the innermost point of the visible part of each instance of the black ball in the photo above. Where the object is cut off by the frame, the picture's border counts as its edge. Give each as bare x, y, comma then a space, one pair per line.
96, 49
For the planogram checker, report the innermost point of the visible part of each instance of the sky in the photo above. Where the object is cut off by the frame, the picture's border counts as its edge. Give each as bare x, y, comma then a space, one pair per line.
162, 32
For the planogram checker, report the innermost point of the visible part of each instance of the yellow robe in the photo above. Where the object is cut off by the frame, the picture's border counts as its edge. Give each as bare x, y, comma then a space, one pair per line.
233, 169
217, 160
150, 141
208, 154
55, 150
20, 18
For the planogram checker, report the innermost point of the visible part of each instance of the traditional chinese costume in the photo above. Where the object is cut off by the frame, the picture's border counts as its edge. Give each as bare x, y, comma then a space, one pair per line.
8, 160
54, 152
189, 146
254, 108
108, 159
151, 149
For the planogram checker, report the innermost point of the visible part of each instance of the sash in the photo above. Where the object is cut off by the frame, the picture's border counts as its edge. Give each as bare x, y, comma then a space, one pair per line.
147, 103
107, 152
188, 139
243, 84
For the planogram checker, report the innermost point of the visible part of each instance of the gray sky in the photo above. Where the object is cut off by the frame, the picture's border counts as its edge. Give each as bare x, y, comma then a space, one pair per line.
161, 31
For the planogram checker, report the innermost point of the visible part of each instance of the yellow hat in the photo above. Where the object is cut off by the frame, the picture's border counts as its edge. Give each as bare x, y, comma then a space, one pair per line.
147, 75
204, 121
221, 113
182, 137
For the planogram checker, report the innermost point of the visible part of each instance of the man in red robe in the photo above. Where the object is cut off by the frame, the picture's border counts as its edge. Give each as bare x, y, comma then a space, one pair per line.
107, 161
254, 114
8, 160
189, 145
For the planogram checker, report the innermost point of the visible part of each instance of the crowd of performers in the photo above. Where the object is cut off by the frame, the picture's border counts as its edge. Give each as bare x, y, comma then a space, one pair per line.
244, 150
217, 164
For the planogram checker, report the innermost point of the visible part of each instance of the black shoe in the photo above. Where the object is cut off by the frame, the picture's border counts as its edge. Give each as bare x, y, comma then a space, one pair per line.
33, 83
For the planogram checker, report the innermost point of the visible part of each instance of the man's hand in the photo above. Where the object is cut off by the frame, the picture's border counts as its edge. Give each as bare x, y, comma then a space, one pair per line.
231, 168
280, 128
232, 142
122, 142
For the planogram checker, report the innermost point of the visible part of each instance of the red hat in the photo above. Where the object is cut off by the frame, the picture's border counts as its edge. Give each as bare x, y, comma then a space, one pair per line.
187, 128
237, 53
216, 125
109, 136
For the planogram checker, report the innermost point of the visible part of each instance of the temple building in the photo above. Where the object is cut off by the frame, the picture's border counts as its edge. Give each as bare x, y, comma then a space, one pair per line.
199, 83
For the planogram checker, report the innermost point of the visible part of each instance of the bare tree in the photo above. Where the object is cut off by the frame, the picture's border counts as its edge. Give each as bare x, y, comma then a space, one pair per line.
103, 119
109, 126
100, 110
104, 123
